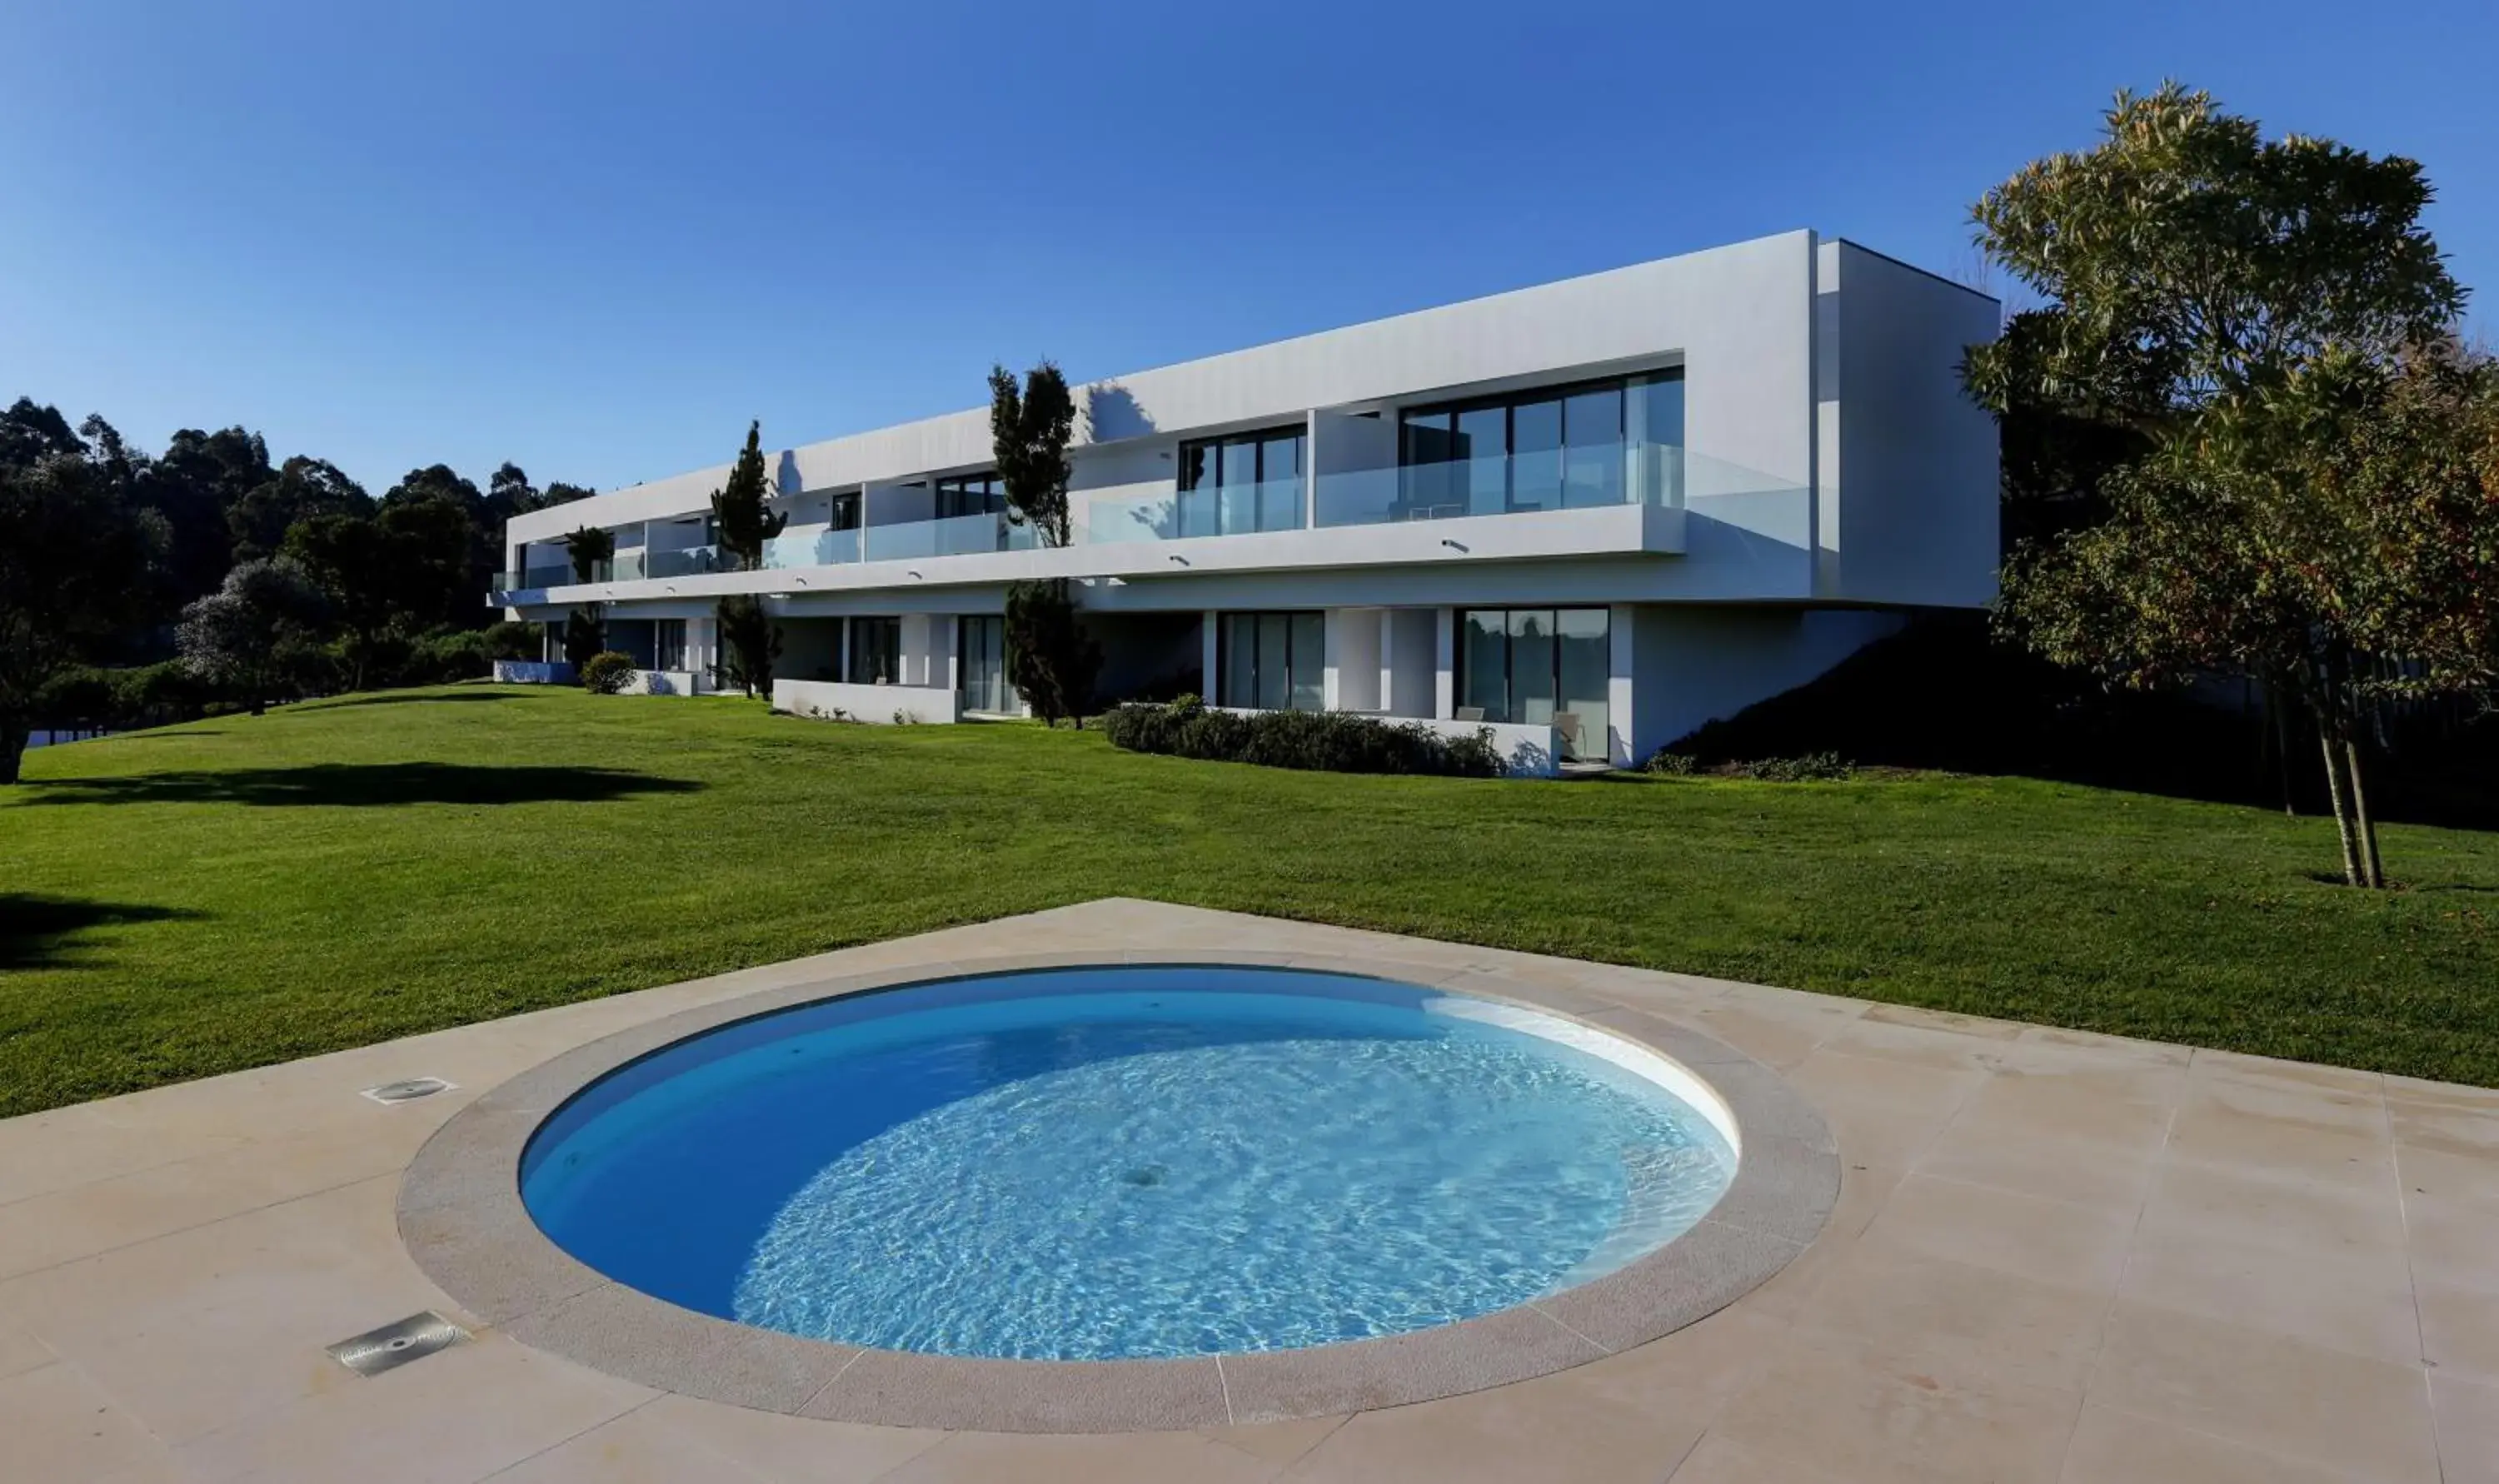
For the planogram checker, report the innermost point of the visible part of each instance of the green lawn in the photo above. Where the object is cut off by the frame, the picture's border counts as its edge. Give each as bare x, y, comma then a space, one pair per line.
244, 891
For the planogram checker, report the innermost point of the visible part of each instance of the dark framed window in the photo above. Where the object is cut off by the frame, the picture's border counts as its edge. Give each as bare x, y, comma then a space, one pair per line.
1529, 666
1250, 481
1272, 662
669, 644
1550, 448
876, 651
971, 494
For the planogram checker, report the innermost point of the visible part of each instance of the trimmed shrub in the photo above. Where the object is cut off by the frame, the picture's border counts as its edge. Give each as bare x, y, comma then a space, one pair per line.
1324, 741
1812, 768
607, 672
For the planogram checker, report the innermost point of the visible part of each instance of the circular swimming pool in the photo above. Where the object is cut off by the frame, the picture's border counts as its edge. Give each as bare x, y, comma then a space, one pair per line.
1129, 1162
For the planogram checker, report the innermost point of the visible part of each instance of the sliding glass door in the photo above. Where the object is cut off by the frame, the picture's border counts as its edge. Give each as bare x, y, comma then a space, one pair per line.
981, 659
1529, 666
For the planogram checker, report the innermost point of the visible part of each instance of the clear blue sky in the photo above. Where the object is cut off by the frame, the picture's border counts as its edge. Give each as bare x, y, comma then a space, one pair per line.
596, 239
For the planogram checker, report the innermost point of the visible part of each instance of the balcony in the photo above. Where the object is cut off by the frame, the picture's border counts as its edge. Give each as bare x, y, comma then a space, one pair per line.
1584, 477
1272, 504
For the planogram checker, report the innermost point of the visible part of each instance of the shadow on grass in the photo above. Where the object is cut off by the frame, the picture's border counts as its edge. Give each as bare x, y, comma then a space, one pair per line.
393, 698
43, 932
362, 785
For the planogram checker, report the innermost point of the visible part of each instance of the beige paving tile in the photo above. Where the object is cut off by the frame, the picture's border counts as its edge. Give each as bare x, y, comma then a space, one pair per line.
1827, 1407
1883, 1112
1882, 1033
462, 1413
1776, 1033
2460, 1330
2315, 1135
2361, 1302
632, 1449
2117, 1109
2286, 1212
2459, 1179
2454, 1244
1031, 1458
1694, 1373
1281, 1443
2460, 1120
2052, 1044
2114, 1447
1716, 1461
82, 1220
1863, 1191
21, 1351
2269, 1072
1533, 1430
319, 1263
66, 1146
799, 1450
2035, 1163
2468, 1429
2049, 1242
1962, 1325
57, 1425
2261, 1390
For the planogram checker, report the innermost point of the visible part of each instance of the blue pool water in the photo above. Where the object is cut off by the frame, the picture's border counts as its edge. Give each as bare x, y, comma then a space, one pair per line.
1125, 1162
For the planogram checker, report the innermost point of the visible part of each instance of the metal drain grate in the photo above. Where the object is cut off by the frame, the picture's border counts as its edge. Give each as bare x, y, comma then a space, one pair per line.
413, 1338
410, 1089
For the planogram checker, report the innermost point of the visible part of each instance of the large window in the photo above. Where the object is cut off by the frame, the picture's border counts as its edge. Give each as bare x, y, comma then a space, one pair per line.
981, 659
1250, 481
1532, 664
669, 644
971, 494
876, 652
1273, 661
1602, 443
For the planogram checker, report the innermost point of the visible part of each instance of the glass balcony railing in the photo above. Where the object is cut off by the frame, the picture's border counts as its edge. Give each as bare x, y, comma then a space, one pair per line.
552, 574
817, 545
683, 562
1273, 504
955, 536
1581, 478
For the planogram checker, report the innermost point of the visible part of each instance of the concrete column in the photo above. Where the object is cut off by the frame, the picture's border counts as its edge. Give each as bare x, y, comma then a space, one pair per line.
1388, 660
1206, 678
1618, 685
1444, 686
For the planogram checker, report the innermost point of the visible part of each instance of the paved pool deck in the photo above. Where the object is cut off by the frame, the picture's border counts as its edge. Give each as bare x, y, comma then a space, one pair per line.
2055, 1257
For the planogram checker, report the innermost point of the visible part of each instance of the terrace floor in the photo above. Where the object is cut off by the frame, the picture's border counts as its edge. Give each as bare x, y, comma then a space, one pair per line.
2055, 1257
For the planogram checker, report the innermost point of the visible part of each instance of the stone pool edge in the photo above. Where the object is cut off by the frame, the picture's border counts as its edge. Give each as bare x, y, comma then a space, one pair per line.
461, 1218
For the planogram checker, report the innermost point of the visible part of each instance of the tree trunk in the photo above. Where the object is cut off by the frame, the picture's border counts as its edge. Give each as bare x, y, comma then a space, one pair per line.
2342, 810
2370, 867
14, 732
2281, 709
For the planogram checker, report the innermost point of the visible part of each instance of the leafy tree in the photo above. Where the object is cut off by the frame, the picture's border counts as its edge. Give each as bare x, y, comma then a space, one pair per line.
585, 635
749, 644
1051, 662
303, 488
509, 493
193, 484
2160, 418
561, 494
239, 635
588, 547
31, 433
74, 559
439, 492
1029, 433
741, 506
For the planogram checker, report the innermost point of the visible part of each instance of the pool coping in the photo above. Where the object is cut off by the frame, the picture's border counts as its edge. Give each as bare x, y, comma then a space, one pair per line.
461, 1218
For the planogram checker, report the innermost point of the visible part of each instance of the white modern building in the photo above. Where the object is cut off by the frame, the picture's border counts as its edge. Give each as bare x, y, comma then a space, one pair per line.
1593, 515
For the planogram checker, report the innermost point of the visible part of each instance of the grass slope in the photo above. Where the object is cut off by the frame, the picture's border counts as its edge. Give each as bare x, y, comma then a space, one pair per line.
244, 891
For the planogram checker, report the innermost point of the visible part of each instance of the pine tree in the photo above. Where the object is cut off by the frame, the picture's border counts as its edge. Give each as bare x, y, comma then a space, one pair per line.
741, 508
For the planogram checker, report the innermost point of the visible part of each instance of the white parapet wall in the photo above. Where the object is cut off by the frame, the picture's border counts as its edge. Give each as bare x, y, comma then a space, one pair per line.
830, 702
533, 672
665, 683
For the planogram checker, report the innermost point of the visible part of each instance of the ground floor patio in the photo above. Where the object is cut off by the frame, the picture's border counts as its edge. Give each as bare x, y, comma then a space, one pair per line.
2053, 1257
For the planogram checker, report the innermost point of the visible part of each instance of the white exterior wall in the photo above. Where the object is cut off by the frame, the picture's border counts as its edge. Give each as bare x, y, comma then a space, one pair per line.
1830, 464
